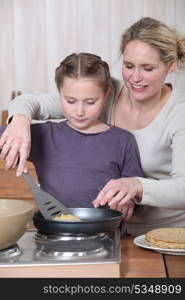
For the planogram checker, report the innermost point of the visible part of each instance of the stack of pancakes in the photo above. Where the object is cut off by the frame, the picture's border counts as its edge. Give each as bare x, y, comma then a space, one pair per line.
169, 238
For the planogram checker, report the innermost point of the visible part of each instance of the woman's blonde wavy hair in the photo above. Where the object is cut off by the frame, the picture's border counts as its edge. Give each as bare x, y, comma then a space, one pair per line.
169, 42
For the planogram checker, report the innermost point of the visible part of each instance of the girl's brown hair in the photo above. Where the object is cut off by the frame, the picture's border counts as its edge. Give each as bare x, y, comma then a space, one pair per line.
84, 65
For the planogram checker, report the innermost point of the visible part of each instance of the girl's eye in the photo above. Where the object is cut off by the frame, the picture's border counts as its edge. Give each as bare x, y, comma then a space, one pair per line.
128, 66
70, 101
148, 69
91, 102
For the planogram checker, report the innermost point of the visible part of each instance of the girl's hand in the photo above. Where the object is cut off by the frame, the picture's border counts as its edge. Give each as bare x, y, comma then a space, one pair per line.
15, 143
118, 194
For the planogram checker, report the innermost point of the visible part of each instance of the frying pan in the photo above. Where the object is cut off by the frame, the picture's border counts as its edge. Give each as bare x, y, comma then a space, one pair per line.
95, 220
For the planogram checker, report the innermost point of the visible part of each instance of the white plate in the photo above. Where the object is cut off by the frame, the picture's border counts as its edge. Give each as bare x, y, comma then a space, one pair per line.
140, 241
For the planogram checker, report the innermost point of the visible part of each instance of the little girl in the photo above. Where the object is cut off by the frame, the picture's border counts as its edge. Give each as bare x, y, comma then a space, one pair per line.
76, 157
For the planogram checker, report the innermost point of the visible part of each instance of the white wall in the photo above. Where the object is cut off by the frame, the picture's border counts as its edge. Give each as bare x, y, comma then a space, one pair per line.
36, 35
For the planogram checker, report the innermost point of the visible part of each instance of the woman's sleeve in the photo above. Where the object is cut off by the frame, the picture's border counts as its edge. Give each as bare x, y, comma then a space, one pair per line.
48, 106
169, 193
36, 106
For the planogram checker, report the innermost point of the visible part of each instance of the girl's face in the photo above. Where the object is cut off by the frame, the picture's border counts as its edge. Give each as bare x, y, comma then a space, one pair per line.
144, 72
82, 102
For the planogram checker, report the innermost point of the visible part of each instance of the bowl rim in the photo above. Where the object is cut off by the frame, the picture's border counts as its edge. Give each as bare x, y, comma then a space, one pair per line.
28, 208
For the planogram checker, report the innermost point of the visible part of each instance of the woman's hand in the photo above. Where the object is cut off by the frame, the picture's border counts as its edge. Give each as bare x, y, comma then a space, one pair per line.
15, 143
127, 210
118, 194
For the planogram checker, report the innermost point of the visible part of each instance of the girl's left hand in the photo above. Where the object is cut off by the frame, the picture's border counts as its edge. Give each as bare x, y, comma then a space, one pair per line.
118, 194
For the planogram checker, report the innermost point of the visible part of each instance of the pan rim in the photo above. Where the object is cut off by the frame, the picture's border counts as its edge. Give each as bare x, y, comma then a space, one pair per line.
119, 214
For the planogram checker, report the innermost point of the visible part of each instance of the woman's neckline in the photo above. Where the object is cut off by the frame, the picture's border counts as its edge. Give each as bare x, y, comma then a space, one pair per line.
155, 119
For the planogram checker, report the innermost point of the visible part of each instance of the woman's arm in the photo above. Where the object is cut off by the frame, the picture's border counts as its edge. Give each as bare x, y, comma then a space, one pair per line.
166, 193
36, 106
47, 106
169, 193
15, 141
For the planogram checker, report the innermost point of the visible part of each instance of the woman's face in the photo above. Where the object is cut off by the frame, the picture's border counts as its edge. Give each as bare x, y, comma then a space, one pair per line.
82, 102
144, 72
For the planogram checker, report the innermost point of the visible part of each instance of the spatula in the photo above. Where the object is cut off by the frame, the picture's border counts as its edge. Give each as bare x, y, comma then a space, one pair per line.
48, 205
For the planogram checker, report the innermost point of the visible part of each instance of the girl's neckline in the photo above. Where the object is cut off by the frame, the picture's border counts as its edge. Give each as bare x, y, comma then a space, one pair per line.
110, 126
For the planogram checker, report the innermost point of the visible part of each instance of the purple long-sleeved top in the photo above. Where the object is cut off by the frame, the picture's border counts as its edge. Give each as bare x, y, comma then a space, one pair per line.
73, 166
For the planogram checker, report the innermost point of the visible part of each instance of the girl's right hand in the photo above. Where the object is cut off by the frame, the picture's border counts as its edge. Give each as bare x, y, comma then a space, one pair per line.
15, 143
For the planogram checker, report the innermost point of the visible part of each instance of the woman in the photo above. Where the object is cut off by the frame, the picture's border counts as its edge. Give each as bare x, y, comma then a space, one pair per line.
152, 110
